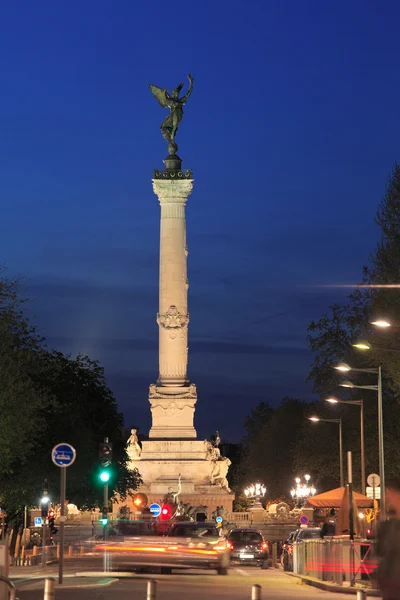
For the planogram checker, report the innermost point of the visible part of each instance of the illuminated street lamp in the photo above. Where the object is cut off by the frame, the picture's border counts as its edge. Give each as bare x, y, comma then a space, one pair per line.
302, 491
343, 367
339, 422
382, 323
255, 492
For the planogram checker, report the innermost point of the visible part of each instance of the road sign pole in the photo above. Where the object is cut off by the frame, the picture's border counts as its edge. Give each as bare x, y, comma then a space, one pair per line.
63, 485
62, 455
44, 543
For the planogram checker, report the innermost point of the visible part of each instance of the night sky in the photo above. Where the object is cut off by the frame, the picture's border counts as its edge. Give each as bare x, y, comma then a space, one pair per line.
291, 132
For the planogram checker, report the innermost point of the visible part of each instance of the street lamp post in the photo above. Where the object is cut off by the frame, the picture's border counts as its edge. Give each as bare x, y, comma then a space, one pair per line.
255, 492
359, 403
339, 422
302, 491
381, 452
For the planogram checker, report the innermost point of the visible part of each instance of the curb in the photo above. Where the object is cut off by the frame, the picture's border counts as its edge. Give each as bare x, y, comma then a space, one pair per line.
331, 587
35, 580
101, 583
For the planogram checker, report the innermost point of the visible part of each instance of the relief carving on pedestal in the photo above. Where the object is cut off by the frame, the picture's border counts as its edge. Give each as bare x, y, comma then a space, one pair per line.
172, 321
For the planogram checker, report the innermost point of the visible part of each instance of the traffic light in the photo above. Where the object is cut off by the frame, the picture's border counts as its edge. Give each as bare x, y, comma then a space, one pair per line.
105, 454
167, 511
104, 517
104, 475
52, 516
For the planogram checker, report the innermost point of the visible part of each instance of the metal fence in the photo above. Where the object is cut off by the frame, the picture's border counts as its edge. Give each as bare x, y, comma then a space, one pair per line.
336, 560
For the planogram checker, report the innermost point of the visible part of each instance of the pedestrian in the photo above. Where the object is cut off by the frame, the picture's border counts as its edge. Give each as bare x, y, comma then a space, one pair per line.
388, 544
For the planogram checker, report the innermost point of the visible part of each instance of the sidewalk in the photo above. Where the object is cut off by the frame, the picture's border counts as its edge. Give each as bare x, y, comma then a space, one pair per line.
331, 587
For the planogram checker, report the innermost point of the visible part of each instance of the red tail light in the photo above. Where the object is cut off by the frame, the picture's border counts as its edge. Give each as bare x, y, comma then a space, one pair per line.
229, 546
264, 546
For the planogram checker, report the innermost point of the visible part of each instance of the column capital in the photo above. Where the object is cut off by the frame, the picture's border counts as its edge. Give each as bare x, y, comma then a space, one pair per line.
173, 190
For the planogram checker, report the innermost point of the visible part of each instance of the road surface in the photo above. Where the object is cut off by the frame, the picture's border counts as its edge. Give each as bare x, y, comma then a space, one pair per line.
194, 585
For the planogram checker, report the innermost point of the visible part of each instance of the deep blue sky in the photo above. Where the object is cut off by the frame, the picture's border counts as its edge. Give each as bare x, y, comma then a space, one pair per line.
291, 131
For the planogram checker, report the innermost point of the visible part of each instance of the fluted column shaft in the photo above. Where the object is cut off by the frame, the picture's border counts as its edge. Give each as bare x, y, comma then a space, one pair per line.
173, 317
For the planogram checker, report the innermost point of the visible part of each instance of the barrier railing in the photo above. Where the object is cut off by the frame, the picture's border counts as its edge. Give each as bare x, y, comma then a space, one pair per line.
336, 560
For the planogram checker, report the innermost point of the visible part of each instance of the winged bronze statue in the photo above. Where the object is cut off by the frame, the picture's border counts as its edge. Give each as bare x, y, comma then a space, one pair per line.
170, 125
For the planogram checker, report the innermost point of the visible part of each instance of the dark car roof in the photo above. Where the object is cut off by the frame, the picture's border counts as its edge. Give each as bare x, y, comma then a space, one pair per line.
246, 529
194, 524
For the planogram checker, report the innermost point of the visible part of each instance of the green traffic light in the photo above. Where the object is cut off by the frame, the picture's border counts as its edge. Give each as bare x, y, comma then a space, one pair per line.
104, 521
105, 476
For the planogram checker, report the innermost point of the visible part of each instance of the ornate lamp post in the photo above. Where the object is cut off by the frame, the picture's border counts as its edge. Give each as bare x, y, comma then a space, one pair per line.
255, 492
303, 490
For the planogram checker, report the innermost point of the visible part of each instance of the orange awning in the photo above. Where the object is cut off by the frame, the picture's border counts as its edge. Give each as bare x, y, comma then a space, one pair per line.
333, 499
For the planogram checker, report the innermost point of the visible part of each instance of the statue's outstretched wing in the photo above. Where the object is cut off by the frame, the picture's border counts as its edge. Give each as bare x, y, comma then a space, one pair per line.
160, 94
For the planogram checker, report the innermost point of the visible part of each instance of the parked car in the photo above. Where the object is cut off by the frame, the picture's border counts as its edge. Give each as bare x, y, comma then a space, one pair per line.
304, 533
248, 546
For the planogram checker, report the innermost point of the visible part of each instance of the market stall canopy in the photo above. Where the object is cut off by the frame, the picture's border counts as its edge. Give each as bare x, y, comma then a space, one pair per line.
333, 499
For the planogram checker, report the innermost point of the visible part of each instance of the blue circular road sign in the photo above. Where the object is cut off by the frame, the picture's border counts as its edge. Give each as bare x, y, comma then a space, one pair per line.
155, 509
219, 519
304, 520
63, 455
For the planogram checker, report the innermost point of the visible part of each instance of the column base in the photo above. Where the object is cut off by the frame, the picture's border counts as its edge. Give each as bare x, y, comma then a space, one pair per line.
172, 409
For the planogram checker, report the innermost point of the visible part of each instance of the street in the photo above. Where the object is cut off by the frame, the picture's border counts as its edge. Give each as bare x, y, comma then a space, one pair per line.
195, 585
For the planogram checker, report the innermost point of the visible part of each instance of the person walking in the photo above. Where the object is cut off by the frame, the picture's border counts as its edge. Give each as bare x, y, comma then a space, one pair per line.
388, 545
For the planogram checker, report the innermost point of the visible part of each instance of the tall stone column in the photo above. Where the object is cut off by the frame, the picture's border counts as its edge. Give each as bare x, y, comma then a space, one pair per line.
173, 398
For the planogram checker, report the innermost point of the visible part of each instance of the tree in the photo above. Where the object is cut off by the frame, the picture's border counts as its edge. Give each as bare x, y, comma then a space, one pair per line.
47, 398
331, 336
270, 450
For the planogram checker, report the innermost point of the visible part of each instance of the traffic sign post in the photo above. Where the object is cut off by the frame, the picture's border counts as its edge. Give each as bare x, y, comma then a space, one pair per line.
62, 455
155, 509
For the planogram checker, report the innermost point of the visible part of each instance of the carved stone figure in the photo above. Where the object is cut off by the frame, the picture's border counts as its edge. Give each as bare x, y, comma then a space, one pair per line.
217, 439
170, 125
219, 473
133, 447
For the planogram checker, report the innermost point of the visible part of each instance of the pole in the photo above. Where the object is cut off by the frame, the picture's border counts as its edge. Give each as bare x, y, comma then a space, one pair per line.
63, 485
49, 585
256, 592
350, 479
381, 446
105, 500
363, 481
351, 517
44, 531
151, 589
25, 525
341, 453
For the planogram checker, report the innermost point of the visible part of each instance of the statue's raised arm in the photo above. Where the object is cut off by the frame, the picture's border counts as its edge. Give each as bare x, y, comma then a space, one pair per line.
185, 98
